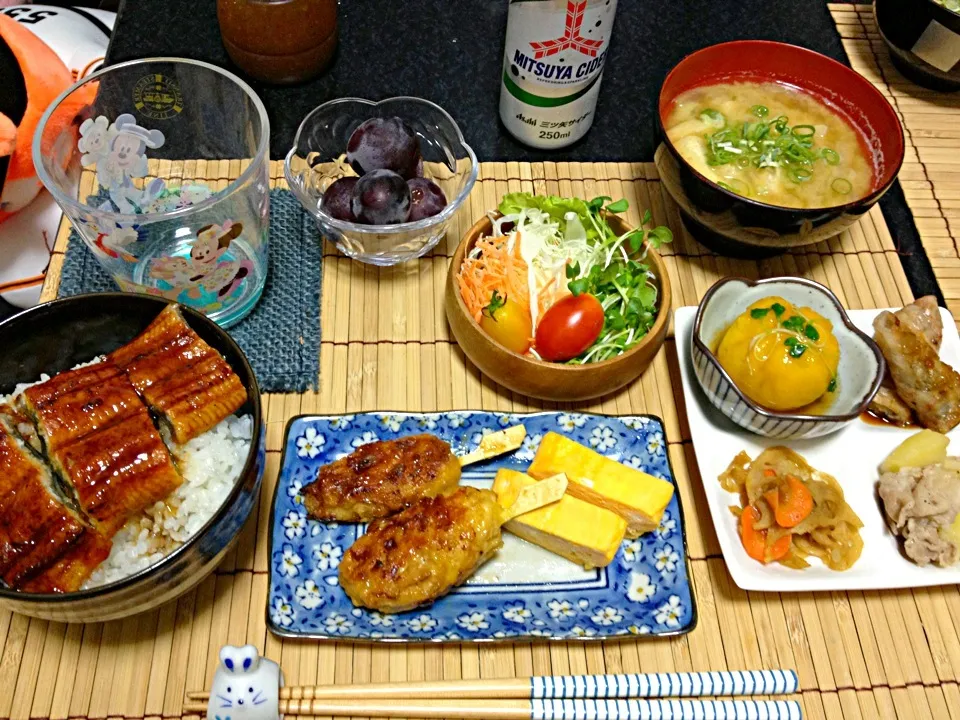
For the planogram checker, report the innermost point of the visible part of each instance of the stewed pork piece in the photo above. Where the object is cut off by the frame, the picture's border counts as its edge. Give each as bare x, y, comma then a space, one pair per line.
921, 505
923, 316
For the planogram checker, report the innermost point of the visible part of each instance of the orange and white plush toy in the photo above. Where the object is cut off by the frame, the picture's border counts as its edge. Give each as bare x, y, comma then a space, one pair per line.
8, 136
36, 41
45, 76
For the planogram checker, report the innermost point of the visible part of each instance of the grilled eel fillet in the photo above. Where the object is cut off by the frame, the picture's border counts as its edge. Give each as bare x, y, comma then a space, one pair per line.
422, 553
119, 471
382, 477
45, 546
923, 381
74, 567
101, 441
78, 402
180, 377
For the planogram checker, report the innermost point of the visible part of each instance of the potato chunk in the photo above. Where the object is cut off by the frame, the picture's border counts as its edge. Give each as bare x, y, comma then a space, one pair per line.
919, 450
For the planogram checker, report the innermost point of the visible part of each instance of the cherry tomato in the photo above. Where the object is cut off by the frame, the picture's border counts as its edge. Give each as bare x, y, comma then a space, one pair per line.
507, 323
569, 327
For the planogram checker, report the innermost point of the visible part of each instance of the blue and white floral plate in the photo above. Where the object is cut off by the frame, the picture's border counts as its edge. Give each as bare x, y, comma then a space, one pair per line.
524, 592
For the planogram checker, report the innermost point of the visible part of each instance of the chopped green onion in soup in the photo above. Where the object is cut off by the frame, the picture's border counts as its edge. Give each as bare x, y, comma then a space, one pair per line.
771, 142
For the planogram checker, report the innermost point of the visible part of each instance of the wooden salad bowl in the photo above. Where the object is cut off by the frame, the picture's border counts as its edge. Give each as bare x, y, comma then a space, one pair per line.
546, 380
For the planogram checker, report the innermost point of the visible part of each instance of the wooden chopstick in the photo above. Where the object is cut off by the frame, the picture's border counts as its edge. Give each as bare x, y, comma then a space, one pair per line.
662, 709
648, 685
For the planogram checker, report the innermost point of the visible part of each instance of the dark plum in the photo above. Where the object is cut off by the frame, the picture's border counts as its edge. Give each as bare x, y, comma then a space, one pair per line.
338, 199
381, 197
384, 144
426, 199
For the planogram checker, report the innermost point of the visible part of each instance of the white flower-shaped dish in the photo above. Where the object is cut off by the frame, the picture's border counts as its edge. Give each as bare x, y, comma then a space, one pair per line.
859, 374
314, 162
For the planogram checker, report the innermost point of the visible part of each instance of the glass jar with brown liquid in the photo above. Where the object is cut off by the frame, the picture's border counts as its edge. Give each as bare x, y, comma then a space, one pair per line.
279, 41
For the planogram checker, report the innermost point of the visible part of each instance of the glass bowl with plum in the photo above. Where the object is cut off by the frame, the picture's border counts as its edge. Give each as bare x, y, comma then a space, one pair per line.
383, 180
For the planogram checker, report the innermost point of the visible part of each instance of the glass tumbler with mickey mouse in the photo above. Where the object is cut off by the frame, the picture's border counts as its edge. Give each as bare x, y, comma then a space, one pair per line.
162, 167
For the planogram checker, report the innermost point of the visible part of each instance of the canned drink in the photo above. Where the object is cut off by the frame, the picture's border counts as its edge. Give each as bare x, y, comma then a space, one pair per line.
552, 68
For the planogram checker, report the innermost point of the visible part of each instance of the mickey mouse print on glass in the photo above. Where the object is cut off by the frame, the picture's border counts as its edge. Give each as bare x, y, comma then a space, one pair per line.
167, 190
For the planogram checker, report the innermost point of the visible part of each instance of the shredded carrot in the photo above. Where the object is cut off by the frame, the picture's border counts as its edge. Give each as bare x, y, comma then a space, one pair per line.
493, 269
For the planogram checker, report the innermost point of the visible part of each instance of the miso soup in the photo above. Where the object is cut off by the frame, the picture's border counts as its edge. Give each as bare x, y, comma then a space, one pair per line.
771, 143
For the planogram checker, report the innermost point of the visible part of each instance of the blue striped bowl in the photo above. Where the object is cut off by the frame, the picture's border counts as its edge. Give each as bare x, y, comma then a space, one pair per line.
860, 372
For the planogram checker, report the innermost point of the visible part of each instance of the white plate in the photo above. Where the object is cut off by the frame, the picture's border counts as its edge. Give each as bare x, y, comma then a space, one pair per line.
851, 455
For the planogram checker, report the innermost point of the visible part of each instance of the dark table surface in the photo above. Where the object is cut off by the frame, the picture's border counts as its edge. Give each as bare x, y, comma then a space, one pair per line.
450, 52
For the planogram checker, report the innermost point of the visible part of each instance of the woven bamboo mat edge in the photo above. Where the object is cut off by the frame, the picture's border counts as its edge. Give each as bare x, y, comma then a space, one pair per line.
930, 177
844, 645
858, 654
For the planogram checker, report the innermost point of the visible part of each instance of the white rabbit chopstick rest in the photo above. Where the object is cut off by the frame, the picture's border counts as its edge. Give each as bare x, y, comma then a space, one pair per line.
245, 686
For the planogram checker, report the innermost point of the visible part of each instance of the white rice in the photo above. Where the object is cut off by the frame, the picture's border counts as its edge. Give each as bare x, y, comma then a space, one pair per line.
210, 465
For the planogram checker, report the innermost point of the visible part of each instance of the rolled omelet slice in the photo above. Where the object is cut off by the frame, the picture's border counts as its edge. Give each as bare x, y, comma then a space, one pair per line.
573, 529
638, 498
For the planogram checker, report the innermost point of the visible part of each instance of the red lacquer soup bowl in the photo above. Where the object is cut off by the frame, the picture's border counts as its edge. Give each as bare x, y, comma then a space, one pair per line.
832, 83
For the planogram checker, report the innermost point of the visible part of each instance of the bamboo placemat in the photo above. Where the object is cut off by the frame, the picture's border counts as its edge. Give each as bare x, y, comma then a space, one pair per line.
386, 345
931, 170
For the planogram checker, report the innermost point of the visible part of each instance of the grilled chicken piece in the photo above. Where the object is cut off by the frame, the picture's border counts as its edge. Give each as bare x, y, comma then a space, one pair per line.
422, 553
77, 402
381, 478
923, 317
119, 471
929, 386
37, 529
180, 376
